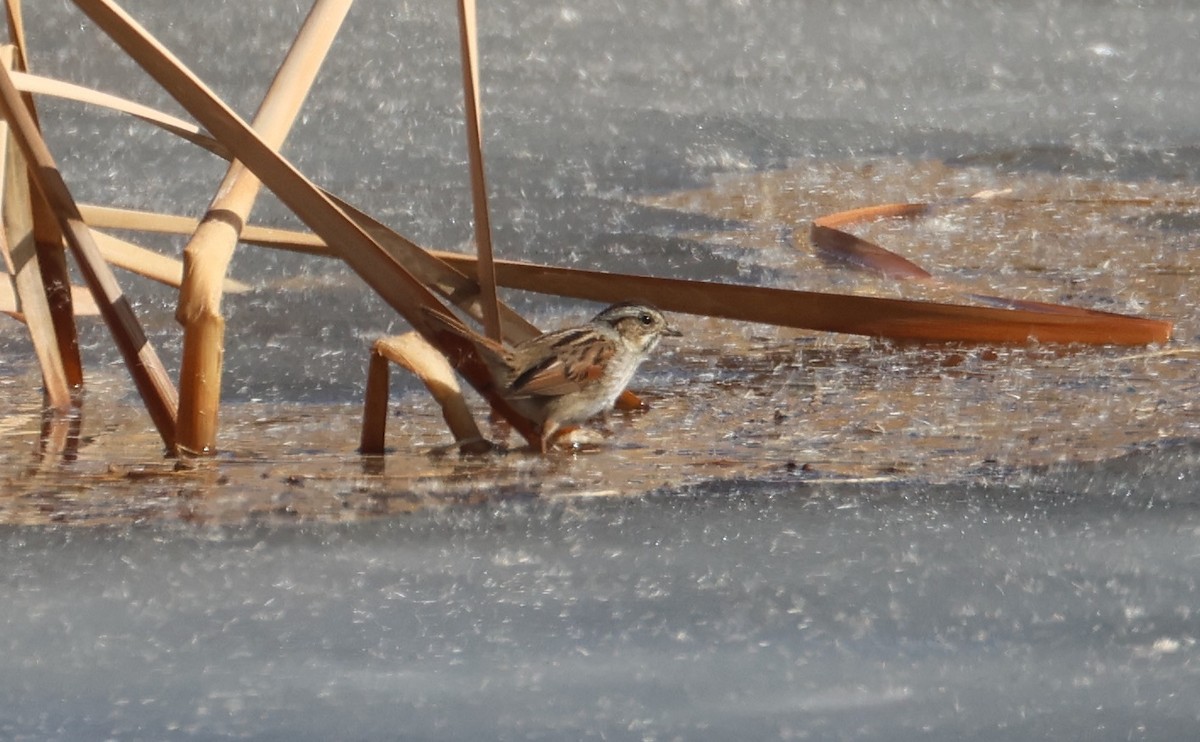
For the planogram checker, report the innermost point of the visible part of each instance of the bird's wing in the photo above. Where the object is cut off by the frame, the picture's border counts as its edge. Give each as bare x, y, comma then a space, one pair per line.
574, 360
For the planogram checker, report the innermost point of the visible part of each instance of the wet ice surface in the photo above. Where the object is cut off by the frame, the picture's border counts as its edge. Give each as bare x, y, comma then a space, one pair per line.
980, 592
1062, 609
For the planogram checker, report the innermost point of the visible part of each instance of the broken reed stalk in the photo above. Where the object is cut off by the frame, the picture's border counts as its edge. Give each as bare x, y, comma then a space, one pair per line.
848, 249
833, 244
868, 213
485, 268
414, 353
453, 285
394, 284
20, 251
836, 246
148, 373
207, 255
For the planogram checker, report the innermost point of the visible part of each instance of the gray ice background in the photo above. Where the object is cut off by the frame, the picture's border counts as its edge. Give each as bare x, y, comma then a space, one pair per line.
1057, 605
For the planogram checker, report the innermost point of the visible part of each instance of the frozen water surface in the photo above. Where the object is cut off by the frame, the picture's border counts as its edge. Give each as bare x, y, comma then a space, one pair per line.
830, 539
1063, 608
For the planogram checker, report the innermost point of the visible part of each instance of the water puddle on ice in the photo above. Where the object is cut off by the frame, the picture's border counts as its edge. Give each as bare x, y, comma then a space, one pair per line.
732, 402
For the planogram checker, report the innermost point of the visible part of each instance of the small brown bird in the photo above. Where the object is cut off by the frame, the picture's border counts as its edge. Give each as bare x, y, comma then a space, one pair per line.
571, 375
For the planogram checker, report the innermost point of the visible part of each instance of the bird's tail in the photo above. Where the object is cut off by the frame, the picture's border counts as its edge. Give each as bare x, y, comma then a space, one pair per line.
486, 346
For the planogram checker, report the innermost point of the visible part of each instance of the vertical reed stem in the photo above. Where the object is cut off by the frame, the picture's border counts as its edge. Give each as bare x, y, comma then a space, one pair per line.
485, 267
375, 405
207, 254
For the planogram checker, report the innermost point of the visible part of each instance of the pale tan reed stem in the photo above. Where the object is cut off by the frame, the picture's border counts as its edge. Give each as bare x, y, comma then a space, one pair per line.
414, 353
485, 269
207, 255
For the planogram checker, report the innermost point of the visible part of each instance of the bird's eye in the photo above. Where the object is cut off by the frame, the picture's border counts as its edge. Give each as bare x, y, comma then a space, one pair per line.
646, 319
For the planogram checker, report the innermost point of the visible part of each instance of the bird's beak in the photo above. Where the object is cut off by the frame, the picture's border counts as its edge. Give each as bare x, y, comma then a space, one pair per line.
672, 332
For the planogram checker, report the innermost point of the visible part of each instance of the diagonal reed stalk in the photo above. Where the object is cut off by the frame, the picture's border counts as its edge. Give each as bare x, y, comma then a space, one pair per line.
485, 268
148, 373
207, 255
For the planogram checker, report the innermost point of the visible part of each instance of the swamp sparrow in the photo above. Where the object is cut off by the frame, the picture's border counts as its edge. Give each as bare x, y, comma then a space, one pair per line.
570, 375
